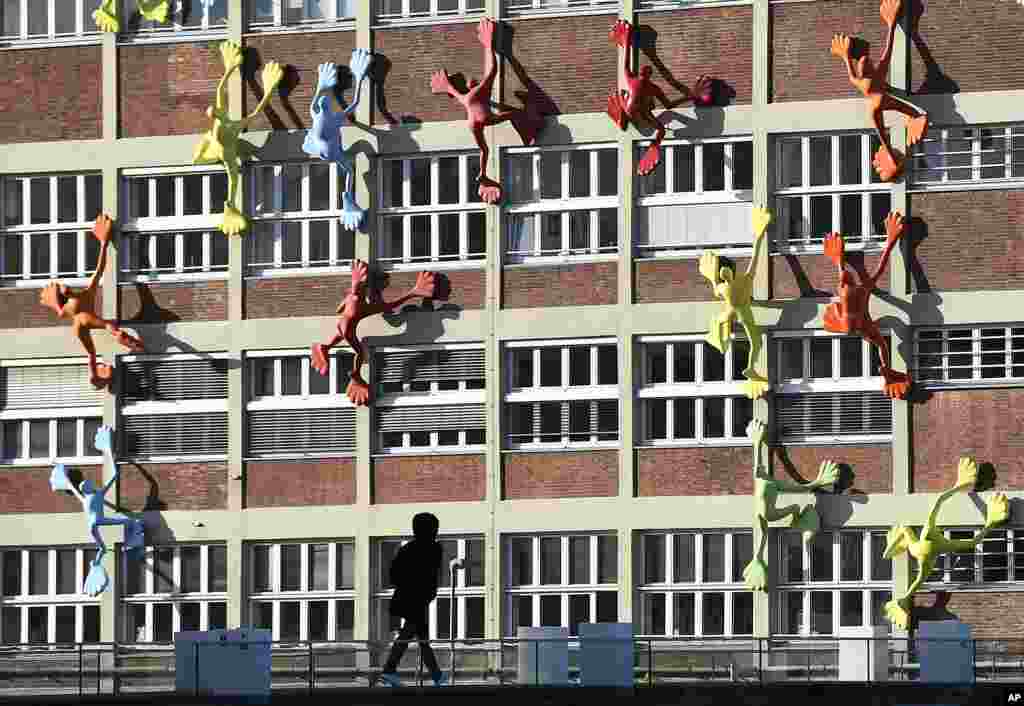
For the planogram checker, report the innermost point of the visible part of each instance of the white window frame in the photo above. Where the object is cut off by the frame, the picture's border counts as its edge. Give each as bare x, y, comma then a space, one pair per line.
936, 147
813, 242
150, 599
739, 246
133, 225
516, 8
939, 376
382, 596
536, 590
668, 589
278, 22
463, 208
81, 35
654, 5
670, 390
563, 394
406, 16
81, 227
539, 206
305, 595
1014, 562
172, 26
51, 600
835, 586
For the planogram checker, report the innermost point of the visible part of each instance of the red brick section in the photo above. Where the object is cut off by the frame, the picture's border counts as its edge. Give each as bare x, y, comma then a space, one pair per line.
801, 63
985, 424
661, 281
979, 52
281, 297
992, 616
871, 465
575, 474
710, 470
795, 276
717, 42
24, 490
51, 94
429, 479
992, 258
20, 308
300, 55
327, 481
164, 303
570, 60
164, 89
406, 57
172, 486
567, 285
468, 288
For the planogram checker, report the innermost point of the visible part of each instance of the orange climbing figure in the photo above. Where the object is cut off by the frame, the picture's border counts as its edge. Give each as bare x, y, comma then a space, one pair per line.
873, 82
353, 309
849, 311
80, 308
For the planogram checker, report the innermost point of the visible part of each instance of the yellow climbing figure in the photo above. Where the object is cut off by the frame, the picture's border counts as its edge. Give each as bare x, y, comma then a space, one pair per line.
106, 15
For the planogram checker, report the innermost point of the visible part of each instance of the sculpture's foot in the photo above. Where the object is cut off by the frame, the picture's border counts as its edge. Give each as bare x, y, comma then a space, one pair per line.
617, 111
489, 190
101, 380
998, 510
106, 21
898, 612
321, 363
358, 392
234, 222
134, 535
756, 386
97, 581
528, 124
896, 384
756, 575
649, 161
916, 129
807, 522
834, 321
128, 341
888, 165
718, 337
351, 215
155, 10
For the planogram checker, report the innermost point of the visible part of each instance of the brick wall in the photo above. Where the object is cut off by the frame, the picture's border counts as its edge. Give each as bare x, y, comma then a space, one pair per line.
25, 490
172, 486
407, 57
795, 276
51, 94
564, 285
179, 301
953, 53
661, 281
429, 479
20, 308
164, 89
991, 615
466, 289
710, 470
985, 424
717, 42
300, 55
326, 481
993, 258
574, 474
281, 297
871, 465
801, 63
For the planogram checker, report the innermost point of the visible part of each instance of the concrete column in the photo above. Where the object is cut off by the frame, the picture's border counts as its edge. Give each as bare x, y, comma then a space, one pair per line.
238, 612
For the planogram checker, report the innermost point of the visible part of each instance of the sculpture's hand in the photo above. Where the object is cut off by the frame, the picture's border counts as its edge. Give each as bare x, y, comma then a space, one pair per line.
898, 612
998, 510
709, 266
620, 33
757, 431
101, 229
894, 226
702, 91
841, 45
425, 283
485, 31
834, 248
890, 12
828, 474
231, 53
966, 474
272, 75
439, 82
327, 76
360, 272
104, 439
359, 65
761, 217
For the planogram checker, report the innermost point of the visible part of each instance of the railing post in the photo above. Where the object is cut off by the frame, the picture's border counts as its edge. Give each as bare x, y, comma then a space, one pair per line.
195, 651
80, 676
309, 644
536, 663
868, 660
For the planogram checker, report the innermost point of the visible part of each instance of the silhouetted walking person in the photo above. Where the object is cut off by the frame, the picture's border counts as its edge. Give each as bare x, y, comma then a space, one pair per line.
414, 573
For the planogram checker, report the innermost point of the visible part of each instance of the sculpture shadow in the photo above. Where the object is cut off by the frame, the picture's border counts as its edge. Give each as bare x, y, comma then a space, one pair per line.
840, 501
935, 80
938, 610
252, 62
150, 312
533, 98
379, 70
917, 233
428, 328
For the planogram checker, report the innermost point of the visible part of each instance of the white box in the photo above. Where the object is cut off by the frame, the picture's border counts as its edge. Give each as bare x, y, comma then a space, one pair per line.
229, 662
950, 661
864, 653
606, 654
543, 663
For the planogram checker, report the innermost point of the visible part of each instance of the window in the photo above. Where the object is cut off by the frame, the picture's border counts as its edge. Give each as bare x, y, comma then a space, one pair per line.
539, 7
47, 224
826, 183
175, 588
42, 598
182, 15
561, 581
430, 399
563, 203
430, 211
294, 411
170, 225
829, 389
279, 14
953, 156
998, 559
699, 196
174, 406
467, 616
562, 395
46, 20
969, 356
303, 591
693, 584
839, 579
692, 394
396, 11
49, 413
295, 223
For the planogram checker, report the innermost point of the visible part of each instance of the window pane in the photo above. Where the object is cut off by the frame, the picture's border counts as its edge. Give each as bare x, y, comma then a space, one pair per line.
189, 615
821, 161
821, 612
607, 558
344, 565
420, 176
319, 243
792, 557
654, 558
881, 205
579, 365
654, 613
607, 607
13, 250
714, 166
165, 252
714, 418
217, 556
607, 365
290, 621
878, 601
39, 439
821, 557
37, 625
39, 252
319, 187
65, 619
551, 233
714, 364
850, 221
550, 560
550, 367
579, 612
579, 174
12, 440
392, 179
67, 438
11, 625
551, 611
449, 551
714, 557
881, 568
193, 251
684, 614
522, 367
851, 558
12, 573
821, 216
821, 358
684, 424
551, 175
521, 549
344, 620
742, 413
67, 199
66, 571
291, 567
684, 169
291, 187
163, 570
316, 628
656, 363
714, 613
742, 165
684, 362
264, 616
654, 182
743, 614
191, 567
291, 376
607, 172
163, 625
742, 553
791, 361
792, 613
655, 419
291, 243
684, 559
261, 568
851, 608
850, 159
579, 560
790, 163
851, 357
11, 16
192, 186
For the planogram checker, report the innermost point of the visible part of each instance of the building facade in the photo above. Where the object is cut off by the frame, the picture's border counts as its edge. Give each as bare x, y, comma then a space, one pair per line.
584, 449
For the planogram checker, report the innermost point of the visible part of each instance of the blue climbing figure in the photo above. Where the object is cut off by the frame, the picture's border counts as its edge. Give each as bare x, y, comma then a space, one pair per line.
323, 140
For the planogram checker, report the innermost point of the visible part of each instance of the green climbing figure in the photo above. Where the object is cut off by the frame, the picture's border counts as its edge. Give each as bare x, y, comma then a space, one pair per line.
106, 15
926, 549
222, 143
766, 495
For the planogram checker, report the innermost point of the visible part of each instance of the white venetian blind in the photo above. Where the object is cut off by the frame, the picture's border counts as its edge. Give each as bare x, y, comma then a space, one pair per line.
40, 386
302, 431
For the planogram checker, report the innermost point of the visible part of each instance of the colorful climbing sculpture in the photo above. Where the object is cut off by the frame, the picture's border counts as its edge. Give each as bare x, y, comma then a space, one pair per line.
323, 140
736, 290
222, 142
932, 542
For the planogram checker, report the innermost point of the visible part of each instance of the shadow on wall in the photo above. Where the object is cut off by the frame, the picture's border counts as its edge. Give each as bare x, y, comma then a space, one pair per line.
428, 328
935, 80
150, 312
840, 501
379, 70
253, 63
534, 98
